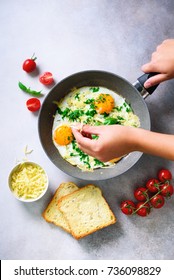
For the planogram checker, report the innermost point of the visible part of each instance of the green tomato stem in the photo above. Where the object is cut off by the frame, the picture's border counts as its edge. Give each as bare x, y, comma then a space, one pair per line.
148, 199
33, 57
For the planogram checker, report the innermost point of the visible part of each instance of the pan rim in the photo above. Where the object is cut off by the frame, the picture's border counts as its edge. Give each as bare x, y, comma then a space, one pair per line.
98, 173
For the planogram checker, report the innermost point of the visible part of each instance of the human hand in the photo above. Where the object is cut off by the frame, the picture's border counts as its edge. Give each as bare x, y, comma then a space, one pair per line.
162, 61
113, 141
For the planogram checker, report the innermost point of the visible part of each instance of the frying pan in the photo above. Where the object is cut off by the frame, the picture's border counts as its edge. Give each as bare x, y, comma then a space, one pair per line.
133, 95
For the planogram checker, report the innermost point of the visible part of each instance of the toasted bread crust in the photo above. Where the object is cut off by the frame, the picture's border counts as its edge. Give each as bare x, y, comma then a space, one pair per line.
52, 214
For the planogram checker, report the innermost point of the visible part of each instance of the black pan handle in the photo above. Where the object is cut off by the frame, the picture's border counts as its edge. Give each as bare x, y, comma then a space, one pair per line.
139, 84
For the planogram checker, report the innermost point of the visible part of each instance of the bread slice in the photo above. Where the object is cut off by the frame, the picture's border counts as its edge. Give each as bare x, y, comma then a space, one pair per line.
86, 211
52, 214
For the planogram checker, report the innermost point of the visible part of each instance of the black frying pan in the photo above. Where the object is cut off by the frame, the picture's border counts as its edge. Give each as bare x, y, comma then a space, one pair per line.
133, 95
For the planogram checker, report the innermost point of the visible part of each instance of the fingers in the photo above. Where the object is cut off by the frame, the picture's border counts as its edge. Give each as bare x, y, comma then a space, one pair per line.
157, 79
91, 129
79, 137
85, 144
148, 67
81, 140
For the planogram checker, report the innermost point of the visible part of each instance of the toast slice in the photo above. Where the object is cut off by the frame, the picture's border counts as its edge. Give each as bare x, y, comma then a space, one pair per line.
52, 214
86, 211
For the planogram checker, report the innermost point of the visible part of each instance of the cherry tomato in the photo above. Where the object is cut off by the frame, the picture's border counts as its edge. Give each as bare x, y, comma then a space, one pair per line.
166, 190
153, 185
141, 193
164, 175
127, 207
46, 78
143, 209
33, 104
29, 64
157, 201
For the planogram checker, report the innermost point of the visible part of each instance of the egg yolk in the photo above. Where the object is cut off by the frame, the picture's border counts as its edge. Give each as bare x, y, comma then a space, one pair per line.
63, 135
104, 103
115, 159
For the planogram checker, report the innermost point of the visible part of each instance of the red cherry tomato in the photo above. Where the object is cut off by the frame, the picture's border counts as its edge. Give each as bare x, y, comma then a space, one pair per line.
33, 104
166, 190
164, 175
157, 201
141, 193
46, 78
153, 185
29, 64
143, 209
127, 207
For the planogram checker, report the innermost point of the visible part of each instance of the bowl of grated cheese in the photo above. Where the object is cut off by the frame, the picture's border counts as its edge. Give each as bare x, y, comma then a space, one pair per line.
28, 181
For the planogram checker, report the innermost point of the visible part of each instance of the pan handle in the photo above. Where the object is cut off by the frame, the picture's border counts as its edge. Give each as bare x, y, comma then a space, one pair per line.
139, 84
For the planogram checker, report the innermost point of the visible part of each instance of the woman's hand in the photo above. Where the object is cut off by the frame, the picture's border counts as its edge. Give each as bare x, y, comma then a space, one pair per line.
113, 141
162, 61
116, 141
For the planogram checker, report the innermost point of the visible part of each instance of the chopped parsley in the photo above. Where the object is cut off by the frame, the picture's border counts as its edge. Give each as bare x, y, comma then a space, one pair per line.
77, 96
74, 115
110, 121
98, 162
83, 157
89, 101
91, 113
94, 136
94, 89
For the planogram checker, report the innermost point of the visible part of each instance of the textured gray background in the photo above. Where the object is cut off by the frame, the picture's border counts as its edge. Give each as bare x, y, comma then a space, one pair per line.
67, 37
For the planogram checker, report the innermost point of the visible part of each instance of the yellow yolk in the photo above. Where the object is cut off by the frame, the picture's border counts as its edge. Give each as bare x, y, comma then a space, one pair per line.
104, 103
63, 135
115, 159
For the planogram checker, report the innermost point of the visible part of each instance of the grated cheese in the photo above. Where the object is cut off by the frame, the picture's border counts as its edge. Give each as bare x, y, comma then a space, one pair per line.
28, 181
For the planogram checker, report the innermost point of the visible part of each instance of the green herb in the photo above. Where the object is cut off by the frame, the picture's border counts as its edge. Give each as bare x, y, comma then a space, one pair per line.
83, 157
129, 109
30, 91
105, 115
98, 162
59, 111
74, 115
73, 155
120, 118
77, 96
110, 121
65, 113
91, 113
94, 89
89, 101
88, 164
119, 108
94, 136
97, 123
88, 120
101, 98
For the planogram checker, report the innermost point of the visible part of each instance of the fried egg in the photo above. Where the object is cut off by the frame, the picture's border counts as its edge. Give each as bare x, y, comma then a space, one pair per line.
93, 106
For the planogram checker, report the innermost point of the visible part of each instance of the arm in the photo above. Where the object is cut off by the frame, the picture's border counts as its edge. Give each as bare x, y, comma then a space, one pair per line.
162, 61
116, 141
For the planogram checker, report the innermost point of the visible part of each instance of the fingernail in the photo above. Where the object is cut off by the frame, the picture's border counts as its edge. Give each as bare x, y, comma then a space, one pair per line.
147, 85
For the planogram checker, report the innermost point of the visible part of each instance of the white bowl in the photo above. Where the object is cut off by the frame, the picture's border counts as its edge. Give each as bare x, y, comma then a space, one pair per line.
28, 192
